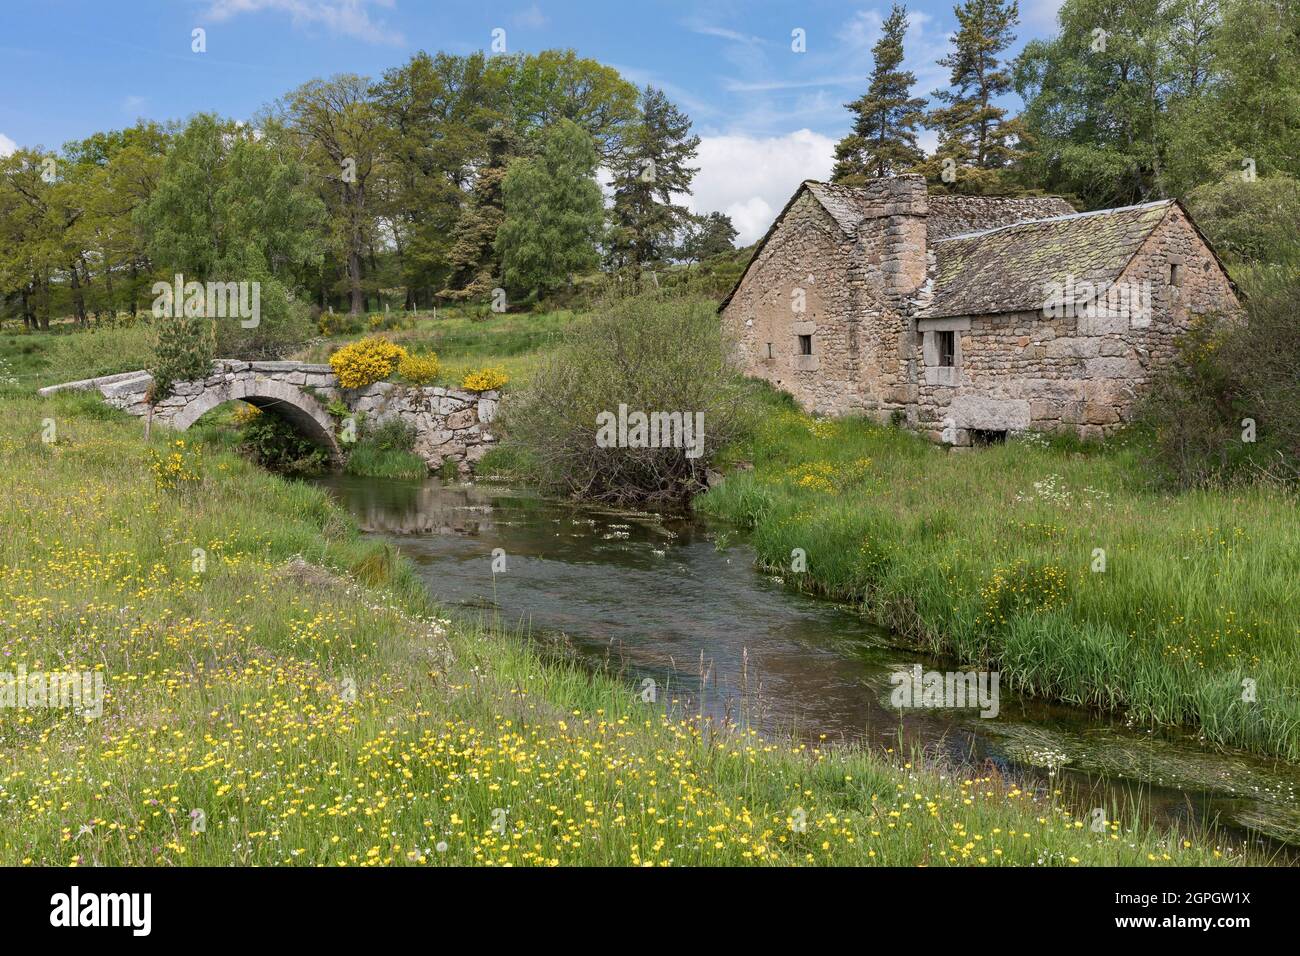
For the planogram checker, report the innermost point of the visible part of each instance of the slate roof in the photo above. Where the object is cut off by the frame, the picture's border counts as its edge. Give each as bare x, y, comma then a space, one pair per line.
955, 215
1006, 269
991, 254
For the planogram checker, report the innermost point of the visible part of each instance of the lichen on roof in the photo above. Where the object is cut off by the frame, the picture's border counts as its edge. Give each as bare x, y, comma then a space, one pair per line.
1008, 268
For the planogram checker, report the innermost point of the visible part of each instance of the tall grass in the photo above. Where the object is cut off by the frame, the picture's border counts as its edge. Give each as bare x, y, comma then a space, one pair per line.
280, 692
1061, 566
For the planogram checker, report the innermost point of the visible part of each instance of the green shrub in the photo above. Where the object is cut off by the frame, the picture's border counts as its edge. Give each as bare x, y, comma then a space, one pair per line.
385, 451
277, 446
1228, 409
655, 355
183, 349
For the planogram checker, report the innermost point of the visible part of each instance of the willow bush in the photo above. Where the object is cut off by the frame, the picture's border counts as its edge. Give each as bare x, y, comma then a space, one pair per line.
657, 354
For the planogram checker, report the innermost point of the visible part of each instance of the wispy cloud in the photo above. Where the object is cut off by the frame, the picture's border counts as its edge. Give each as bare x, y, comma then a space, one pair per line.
7, 145
133, 104
763, 86
734, 36
344, 17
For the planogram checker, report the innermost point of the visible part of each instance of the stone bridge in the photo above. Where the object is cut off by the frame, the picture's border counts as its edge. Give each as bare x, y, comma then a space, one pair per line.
450, 425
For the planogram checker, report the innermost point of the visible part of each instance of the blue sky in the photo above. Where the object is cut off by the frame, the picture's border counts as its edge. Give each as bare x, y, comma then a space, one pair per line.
768, 116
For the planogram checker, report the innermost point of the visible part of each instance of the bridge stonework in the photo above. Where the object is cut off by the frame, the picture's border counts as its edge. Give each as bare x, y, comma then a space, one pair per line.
450, 425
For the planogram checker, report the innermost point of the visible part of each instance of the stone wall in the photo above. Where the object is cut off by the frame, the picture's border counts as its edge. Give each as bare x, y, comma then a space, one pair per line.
845, 291
849, 267
1026, 370
450, 425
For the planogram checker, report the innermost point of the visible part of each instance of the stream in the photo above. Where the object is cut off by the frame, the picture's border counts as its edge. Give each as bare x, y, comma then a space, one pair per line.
679, 601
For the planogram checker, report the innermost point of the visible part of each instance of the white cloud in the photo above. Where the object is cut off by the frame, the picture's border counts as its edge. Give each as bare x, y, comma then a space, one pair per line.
751, 178
345, 17
7, 145
133, 104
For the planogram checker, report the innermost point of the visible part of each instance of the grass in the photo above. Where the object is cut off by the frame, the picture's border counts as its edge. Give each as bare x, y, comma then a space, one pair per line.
516, 342
67, 354
1055, 562
280, 692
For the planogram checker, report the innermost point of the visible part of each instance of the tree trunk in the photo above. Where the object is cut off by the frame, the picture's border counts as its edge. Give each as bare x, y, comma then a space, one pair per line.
77, 298
354, 280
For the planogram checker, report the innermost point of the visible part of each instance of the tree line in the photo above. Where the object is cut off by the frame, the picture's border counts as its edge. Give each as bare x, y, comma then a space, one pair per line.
444, 179
452, 176
1131, 101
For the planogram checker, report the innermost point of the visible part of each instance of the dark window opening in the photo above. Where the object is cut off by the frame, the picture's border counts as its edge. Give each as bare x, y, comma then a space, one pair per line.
805, 345
947, 345
987, 436
1175, 274
769, 349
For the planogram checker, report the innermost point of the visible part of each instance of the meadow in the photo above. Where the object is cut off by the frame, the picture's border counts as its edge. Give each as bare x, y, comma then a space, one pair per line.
1059, 563
280, 691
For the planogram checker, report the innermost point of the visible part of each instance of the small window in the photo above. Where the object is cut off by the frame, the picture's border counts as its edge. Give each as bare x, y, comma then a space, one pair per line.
805, 345
1175, 274
947, 346
769, 349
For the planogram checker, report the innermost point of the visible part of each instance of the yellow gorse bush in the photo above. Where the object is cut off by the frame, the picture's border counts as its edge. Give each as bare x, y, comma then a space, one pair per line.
366, 361
420, 369
181, 467
484, 379
245, 413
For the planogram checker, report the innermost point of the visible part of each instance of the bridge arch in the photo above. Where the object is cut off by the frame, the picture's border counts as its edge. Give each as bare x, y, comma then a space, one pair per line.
291, 403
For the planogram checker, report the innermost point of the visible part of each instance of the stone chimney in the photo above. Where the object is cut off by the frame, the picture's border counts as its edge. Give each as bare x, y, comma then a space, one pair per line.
893, 227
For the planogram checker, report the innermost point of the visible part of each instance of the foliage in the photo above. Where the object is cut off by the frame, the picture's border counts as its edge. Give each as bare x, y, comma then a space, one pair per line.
366, 361
338, 323
179, 468
183, 350
278, 446
657, 354
1143, 99
651, 170
418, 369
1228, 410
886, 117
1248, 220
484, 379
975, 134
553, 212
707, 236
474, 260
386, 450
991, 558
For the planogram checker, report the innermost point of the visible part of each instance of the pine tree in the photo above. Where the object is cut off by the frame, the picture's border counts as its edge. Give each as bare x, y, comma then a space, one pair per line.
883, 141
651, 169
473, 260
977, 142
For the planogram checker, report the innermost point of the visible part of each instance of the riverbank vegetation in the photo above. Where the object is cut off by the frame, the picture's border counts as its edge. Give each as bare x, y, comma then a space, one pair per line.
1060, 564
264, 706
619, 411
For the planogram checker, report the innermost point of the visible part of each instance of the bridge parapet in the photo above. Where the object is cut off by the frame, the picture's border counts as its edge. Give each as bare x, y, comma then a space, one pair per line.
449, 425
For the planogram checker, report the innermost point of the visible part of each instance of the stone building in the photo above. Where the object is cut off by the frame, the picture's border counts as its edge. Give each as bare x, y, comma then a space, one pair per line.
970, 317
